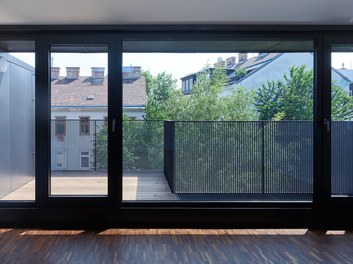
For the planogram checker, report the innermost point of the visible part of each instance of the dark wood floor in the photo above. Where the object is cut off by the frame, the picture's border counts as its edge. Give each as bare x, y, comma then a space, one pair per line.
175, 246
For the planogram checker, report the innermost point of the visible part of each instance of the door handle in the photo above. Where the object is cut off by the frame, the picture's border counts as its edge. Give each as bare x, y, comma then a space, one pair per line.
327, 124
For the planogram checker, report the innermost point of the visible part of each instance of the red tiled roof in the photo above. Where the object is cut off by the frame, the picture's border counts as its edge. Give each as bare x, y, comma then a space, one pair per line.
66, 92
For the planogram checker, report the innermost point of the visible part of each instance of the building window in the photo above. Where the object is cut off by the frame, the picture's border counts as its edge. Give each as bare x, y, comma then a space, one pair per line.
190, 85
60, 126
84, 126
60, 160
187, 85
84, 160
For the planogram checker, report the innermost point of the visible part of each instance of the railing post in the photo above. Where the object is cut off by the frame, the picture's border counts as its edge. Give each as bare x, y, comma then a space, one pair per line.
169, 152
95, 145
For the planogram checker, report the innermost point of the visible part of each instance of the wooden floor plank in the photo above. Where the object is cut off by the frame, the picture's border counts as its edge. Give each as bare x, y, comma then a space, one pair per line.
175, 246
138, 185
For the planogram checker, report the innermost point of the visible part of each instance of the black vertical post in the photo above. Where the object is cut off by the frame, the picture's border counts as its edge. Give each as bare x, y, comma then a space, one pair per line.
42, 122
263, 157
169, 152
95, 145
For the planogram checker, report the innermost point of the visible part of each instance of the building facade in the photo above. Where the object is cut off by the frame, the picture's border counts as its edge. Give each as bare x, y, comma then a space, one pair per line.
79, 113
251, 73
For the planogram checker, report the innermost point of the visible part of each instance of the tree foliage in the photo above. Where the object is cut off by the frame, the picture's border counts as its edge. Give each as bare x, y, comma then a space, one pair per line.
268, 99
159, 90
143, 140
341, 104
205, 102
101, 147
240, 73
288, 99
292, 98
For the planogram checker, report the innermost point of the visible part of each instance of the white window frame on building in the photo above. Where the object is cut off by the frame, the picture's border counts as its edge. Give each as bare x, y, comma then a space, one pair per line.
84, 155
60, 157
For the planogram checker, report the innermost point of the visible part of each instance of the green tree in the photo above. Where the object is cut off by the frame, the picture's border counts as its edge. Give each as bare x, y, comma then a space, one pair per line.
159, 90
149, 80
206, 102
297, 100
143, 141
240, 73
341, 104
292, 98
101, 146
268, 99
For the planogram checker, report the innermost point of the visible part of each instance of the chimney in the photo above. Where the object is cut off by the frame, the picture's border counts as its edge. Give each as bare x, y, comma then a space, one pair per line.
72, 73
131, 72
243, 57
54, 73
230, 61
97, 75
97, 72
137, 71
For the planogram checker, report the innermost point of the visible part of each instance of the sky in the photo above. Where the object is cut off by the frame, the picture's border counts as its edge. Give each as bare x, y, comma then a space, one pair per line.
178, 64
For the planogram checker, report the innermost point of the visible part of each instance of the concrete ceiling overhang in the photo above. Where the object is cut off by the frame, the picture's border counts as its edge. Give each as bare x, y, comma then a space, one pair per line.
129, 12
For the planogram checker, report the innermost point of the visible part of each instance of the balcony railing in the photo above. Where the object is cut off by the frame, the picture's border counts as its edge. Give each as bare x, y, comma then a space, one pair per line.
240, 157
209, 157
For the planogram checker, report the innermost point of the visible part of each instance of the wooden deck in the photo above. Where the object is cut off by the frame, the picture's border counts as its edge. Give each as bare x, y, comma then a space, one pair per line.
140, 185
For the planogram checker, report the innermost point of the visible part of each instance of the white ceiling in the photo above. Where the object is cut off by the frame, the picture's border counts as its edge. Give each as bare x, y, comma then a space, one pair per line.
119, 12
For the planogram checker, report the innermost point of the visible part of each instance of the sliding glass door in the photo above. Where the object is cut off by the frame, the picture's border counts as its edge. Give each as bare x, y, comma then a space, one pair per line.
79, 89
341, 127
218, 121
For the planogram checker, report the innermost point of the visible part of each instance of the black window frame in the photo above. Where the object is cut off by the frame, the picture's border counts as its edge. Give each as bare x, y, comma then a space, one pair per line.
321, 213
229, 36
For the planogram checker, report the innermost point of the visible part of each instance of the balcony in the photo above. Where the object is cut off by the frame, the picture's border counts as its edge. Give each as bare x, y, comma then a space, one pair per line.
197, 161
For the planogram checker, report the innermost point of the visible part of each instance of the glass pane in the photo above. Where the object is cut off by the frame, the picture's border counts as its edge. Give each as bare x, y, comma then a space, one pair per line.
17, 141
341, 121
221, 125
79, 103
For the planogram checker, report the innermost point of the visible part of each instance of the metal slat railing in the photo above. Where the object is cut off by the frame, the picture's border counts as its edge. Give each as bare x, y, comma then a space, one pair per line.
341, 158
244, 157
